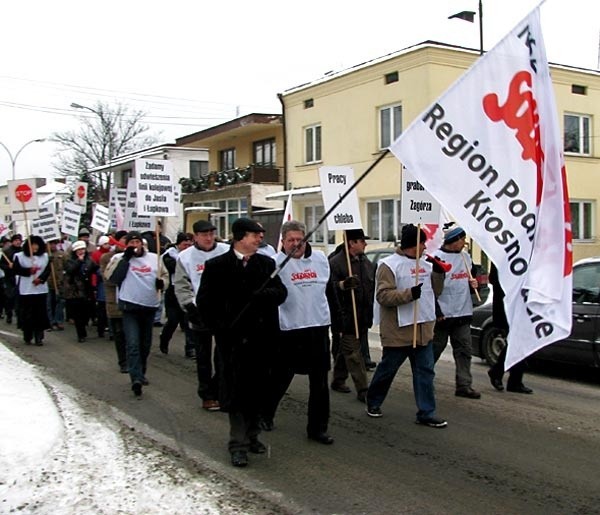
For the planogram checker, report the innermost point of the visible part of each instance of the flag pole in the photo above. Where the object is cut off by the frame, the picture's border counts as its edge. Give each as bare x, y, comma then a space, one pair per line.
307, 236
470, 275
416, 301
352, 294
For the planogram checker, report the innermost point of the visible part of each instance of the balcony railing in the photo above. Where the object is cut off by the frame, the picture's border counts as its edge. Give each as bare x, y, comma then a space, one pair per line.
217, 180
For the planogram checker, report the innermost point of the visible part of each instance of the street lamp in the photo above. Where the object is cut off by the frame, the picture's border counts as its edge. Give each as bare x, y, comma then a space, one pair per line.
470, 17
13, 160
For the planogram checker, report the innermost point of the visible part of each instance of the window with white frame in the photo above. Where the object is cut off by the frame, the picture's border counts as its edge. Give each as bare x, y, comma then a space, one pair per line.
577, 134
313, 143
312, 214
390, 124
383, 220
582, 216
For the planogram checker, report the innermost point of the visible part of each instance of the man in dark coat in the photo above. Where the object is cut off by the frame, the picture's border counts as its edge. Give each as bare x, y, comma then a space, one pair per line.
10, 282
361, 280
238, 301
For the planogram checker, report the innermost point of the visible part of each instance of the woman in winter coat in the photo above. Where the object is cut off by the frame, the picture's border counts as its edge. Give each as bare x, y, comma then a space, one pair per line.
78, 289
32, 268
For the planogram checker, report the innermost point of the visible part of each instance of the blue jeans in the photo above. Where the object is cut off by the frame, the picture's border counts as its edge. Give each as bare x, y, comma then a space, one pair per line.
421, 363
137, 326
56, 308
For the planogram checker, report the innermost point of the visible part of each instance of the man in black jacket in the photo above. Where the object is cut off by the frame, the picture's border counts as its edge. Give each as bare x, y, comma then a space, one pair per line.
238, 301
360, 280
10, 282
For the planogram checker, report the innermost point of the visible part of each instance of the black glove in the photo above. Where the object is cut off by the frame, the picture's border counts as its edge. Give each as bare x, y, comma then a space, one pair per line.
128, 253
350, 283
416, 291
193, 314
160, 284
439, 265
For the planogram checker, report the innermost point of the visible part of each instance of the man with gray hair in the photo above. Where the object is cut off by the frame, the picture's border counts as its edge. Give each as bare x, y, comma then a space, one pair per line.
304, 321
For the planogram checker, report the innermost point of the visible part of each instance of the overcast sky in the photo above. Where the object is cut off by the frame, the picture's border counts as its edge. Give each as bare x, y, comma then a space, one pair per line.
194, 64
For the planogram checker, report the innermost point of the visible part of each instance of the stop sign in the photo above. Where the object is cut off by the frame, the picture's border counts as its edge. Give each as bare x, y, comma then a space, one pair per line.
23, 193
81, 191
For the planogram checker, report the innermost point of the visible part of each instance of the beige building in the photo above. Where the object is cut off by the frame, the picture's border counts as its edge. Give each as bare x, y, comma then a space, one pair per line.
245, 164
348, 118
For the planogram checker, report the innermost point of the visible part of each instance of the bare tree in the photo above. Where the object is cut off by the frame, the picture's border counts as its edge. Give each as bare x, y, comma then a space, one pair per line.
113, 131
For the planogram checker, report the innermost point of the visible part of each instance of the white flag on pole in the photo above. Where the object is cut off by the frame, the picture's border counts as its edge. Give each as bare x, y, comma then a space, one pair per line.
489, 149
288, 215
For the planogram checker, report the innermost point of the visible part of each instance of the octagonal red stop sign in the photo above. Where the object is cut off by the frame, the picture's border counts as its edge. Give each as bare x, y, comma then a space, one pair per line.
81, 192
23, 193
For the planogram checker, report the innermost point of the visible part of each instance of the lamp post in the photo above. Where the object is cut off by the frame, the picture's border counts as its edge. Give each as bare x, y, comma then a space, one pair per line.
470, 17
13, 160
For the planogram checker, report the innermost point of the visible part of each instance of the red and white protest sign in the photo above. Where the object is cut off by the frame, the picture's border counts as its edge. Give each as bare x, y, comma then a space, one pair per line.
22, 197
489, 149
80, 195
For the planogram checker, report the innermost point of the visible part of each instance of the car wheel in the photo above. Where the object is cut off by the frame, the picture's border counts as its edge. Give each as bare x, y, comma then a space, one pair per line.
492, 343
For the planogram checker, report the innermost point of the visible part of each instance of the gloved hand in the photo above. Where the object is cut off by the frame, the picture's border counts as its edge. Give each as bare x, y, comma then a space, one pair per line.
128, 253
349, 283
416, 291
160, 284
439, 265
193, 314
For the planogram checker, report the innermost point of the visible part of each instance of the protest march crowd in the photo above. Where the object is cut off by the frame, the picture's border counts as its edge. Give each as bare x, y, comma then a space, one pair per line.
253, 317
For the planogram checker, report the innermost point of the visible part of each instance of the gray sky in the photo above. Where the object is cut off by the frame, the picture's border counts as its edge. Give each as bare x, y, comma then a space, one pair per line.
193, 64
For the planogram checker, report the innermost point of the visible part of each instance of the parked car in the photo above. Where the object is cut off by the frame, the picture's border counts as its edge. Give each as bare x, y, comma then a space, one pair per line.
375, 255
581, 347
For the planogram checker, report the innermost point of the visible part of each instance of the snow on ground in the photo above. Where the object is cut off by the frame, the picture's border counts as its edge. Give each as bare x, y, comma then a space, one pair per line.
57, 457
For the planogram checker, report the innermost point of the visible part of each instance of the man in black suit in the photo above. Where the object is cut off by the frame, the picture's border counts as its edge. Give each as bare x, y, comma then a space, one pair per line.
238, 301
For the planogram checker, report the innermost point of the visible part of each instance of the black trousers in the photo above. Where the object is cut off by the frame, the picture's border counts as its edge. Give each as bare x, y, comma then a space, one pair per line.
515, 376
208, 383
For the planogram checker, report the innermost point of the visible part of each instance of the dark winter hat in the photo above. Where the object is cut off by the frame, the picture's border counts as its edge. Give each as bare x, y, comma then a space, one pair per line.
16, 237
244, 225
453, 232
182, 236
203, 226
133, 235
120, 234
356, 234
408, 240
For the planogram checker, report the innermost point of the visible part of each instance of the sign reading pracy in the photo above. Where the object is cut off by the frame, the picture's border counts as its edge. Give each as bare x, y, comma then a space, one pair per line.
23, 200
417, 205
490, 150
155, 188
335, 181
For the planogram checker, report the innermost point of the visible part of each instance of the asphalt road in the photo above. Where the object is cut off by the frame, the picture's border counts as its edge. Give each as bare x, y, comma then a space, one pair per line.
505, 453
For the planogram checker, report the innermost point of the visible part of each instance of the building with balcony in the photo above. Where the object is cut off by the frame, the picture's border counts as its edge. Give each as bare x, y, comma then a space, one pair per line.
245, 165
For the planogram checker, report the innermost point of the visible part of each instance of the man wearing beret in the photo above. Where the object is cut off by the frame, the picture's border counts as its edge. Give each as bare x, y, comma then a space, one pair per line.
238, 300
188, 273
396, 294
139, 279
455, 309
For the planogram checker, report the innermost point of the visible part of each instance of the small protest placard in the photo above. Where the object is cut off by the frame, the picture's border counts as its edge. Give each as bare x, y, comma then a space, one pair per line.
335, 181
133, 221
101, 220
417, 206
46, 225
22, 196
155, 188
71, 218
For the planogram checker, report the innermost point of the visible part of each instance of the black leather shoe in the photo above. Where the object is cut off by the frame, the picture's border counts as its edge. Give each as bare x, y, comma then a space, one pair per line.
323, 438
468, 393
257, 447
496, 382
164, 348
239, 458
342, 388
519, 389
137, 389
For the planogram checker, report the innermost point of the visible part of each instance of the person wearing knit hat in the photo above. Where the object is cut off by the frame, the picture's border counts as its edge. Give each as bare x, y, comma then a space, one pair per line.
396, 292
455, 308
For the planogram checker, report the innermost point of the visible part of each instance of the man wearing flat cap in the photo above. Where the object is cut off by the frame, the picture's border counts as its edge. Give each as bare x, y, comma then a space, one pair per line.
140, 280
188, 273
396, 292
361, 280
455, 309
238, 300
